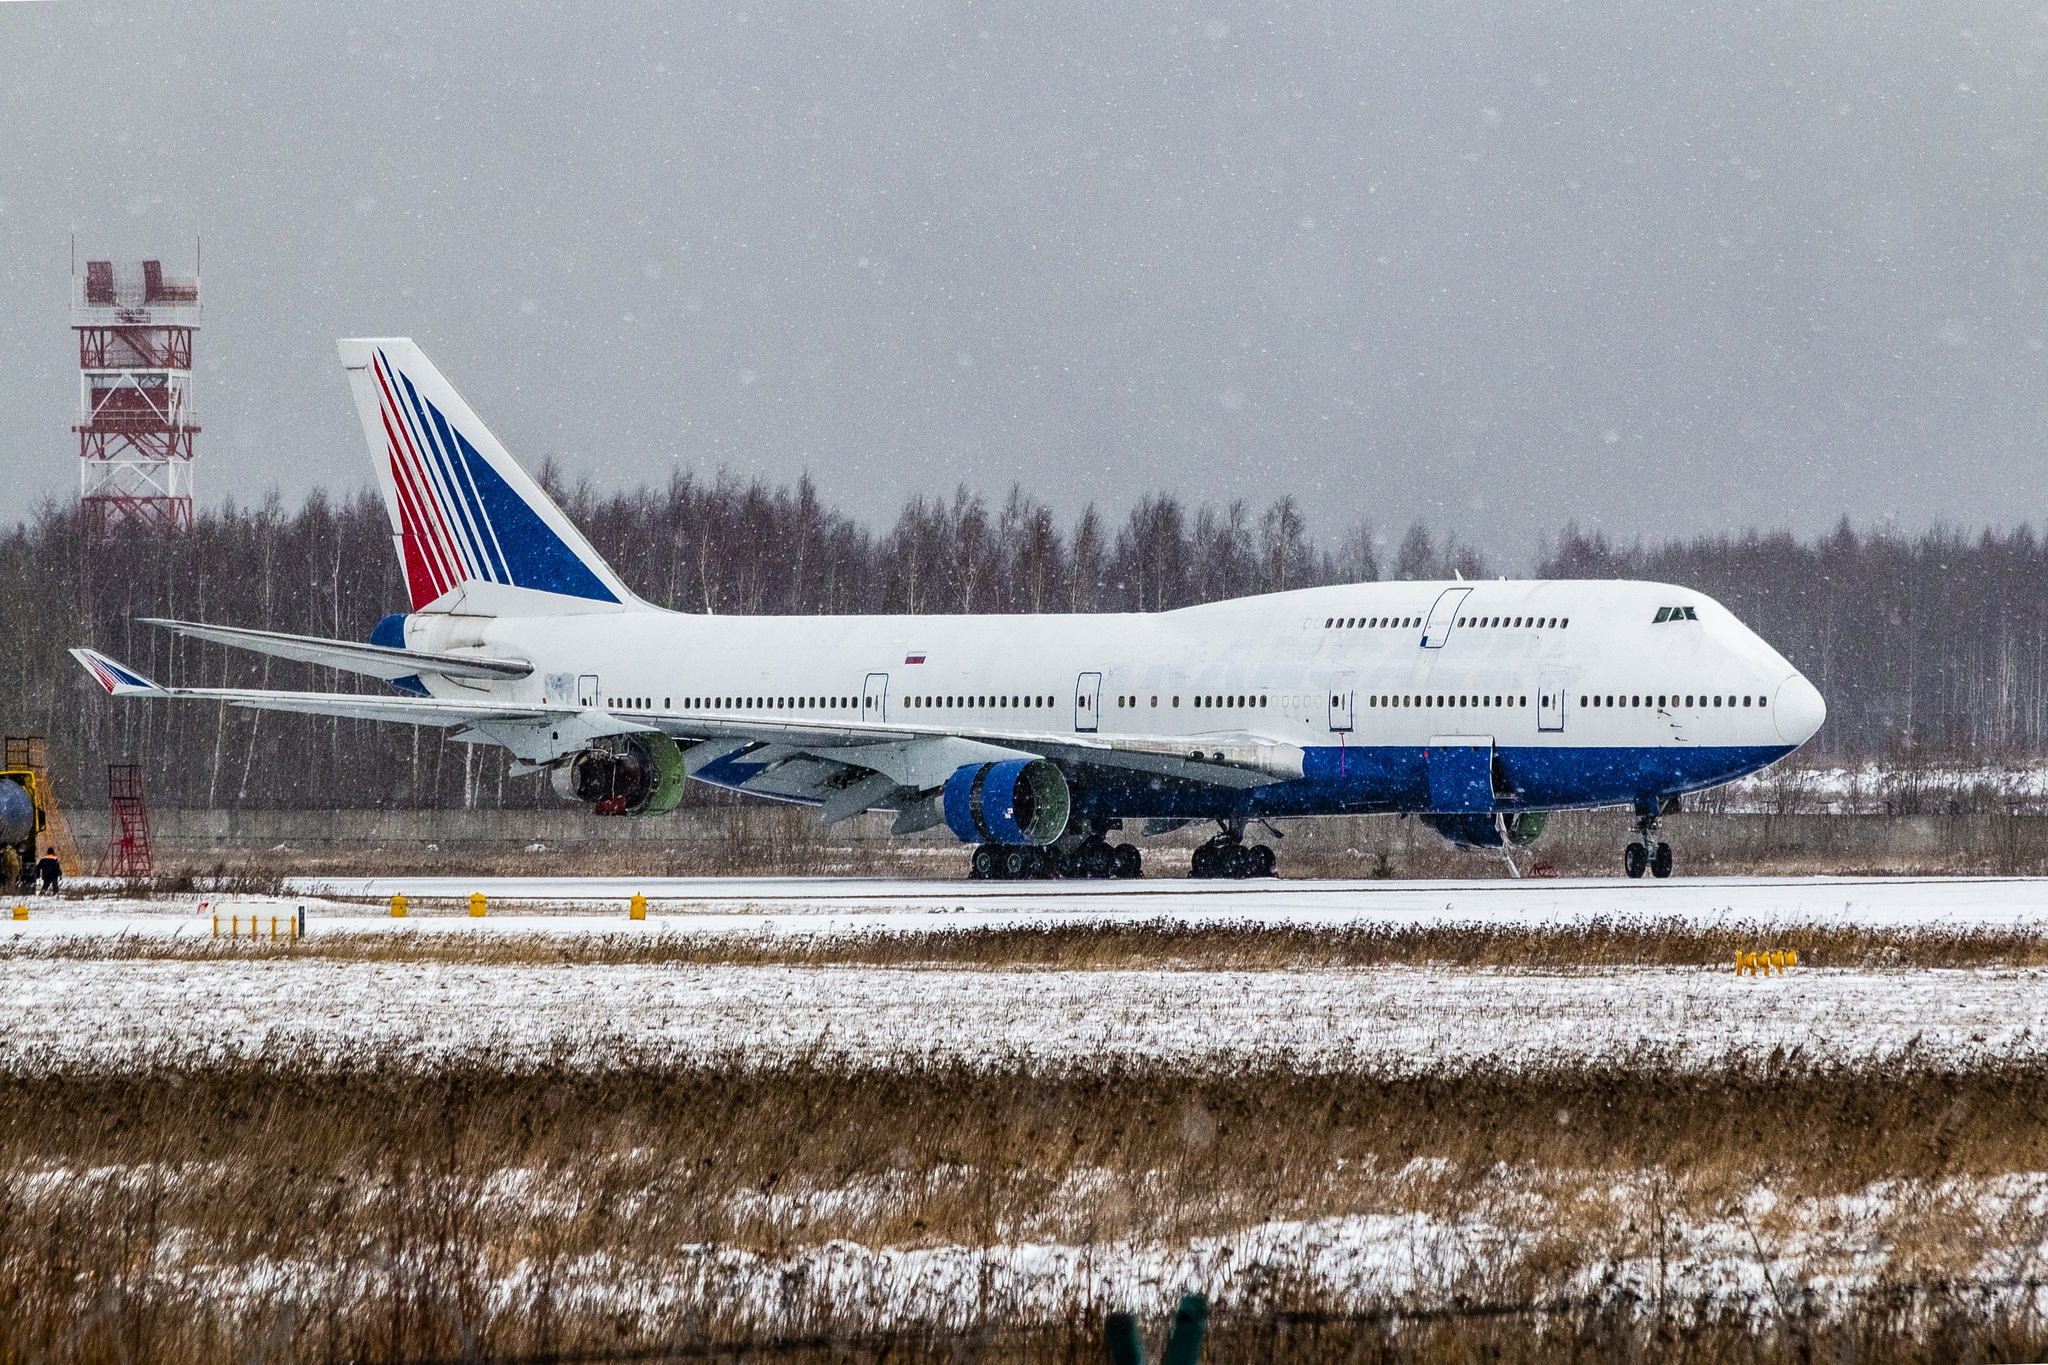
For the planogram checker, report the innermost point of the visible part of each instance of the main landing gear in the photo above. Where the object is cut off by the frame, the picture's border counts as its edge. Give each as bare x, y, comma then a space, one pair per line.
1648, 853
1227, 855
1093, 857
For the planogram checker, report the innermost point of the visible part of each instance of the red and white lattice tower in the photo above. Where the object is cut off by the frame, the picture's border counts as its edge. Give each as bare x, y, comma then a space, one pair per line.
135, 416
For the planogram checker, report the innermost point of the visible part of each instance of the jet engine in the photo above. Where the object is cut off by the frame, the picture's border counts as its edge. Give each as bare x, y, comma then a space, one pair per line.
1017, 801
636, 774
1490, 831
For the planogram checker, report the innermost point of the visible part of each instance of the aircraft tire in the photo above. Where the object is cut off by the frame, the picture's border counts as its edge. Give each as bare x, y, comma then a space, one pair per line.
983, 866
1259, 860
1098, 860
1635, 860
1017, 863
1129, 862
1233, 861
1660, 866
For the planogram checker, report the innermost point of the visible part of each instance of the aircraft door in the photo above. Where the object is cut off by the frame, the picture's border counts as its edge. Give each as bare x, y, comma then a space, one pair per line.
1343, 703
874, 701
1550, 700
587, 693
1443, 616
1088, 702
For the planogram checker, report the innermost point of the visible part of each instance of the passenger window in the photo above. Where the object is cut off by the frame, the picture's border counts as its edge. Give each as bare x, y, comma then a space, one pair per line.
1745, 701
1329, 621
1582, 701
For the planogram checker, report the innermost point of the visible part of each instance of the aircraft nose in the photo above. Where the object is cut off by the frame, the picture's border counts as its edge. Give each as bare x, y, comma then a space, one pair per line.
1799, 709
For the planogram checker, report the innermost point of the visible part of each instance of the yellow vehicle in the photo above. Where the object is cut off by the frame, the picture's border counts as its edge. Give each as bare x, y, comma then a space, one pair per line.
30, 819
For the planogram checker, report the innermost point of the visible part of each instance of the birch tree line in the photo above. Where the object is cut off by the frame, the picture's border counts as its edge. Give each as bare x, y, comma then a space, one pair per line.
1931, 645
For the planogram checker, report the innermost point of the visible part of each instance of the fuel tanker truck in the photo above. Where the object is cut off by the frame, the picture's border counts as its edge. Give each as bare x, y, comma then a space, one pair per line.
22, 820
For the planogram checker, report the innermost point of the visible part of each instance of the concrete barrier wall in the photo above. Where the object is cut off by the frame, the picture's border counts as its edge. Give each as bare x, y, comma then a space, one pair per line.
2010, 842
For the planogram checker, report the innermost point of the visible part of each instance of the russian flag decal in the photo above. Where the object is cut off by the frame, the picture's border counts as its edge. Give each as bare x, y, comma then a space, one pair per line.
917, 658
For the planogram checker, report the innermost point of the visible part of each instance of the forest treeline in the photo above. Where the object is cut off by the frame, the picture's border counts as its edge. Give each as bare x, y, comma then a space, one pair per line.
1934, 646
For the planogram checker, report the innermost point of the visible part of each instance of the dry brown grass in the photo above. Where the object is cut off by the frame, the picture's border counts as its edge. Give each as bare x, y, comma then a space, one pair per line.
1161, 943
404, 1199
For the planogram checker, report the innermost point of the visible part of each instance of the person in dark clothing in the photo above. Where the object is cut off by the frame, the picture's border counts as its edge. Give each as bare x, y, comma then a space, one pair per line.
51, 870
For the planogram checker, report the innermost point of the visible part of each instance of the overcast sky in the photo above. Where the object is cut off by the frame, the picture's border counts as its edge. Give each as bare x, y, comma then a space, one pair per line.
1494, 264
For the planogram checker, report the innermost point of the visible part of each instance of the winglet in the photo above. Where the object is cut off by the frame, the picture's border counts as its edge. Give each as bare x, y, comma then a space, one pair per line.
118, 679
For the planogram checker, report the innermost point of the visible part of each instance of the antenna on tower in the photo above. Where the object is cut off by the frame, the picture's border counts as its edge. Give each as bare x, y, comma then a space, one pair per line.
135, 415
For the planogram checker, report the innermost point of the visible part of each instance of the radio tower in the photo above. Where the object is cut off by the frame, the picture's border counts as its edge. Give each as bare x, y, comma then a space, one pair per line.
135, 418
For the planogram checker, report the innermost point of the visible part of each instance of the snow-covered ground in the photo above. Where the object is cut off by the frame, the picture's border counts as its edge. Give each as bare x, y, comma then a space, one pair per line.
63, 1010
1981, 1236
582, 905
1874, 789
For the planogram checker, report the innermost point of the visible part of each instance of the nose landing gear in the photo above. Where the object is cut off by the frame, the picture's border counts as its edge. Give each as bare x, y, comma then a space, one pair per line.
1648, 853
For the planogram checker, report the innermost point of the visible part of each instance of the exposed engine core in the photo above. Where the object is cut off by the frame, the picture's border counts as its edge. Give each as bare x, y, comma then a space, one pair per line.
1017, 801
640, 774
1490, 831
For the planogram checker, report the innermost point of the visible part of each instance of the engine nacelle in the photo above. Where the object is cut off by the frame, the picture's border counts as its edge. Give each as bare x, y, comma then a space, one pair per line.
1490, 831
1017, 801
636, 774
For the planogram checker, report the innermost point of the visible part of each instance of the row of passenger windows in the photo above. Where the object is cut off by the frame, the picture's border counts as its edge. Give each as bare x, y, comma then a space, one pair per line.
1515, 622
1472, 622
979, 702
1700, 699
1441, 699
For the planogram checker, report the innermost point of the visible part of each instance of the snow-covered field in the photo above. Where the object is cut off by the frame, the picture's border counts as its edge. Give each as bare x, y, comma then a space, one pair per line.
582, 905
66, 1011
1979, 1238
95, 984
75, 997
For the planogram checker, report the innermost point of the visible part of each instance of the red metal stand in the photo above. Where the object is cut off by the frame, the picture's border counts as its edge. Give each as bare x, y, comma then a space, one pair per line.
128, 850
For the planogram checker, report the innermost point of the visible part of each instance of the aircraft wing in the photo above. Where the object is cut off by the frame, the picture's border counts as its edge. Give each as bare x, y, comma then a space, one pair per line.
377, 661
535, 733
750, 748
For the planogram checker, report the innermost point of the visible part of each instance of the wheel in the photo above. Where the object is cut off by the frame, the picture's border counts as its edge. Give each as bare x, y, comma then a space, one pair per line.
1635, 860
1098, 860
1204, 864
1129, 862
983, 866
1232, 862
1660, 866
1259, 860
1018, 862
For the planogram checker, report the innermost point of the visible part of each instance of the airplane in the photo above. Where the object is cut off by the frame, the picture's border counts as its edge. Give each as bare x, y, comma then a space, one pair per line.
1478, 707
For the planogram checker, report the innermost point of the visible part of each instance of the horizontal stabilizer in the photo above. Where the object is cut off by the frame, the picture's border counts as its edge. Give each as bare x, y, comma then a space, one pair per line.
376, 661
118, 679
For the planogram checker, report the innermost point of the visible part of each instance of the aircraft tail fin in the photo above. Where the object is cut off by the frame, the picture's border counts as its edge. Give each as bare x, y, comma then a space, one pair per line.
463, 513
